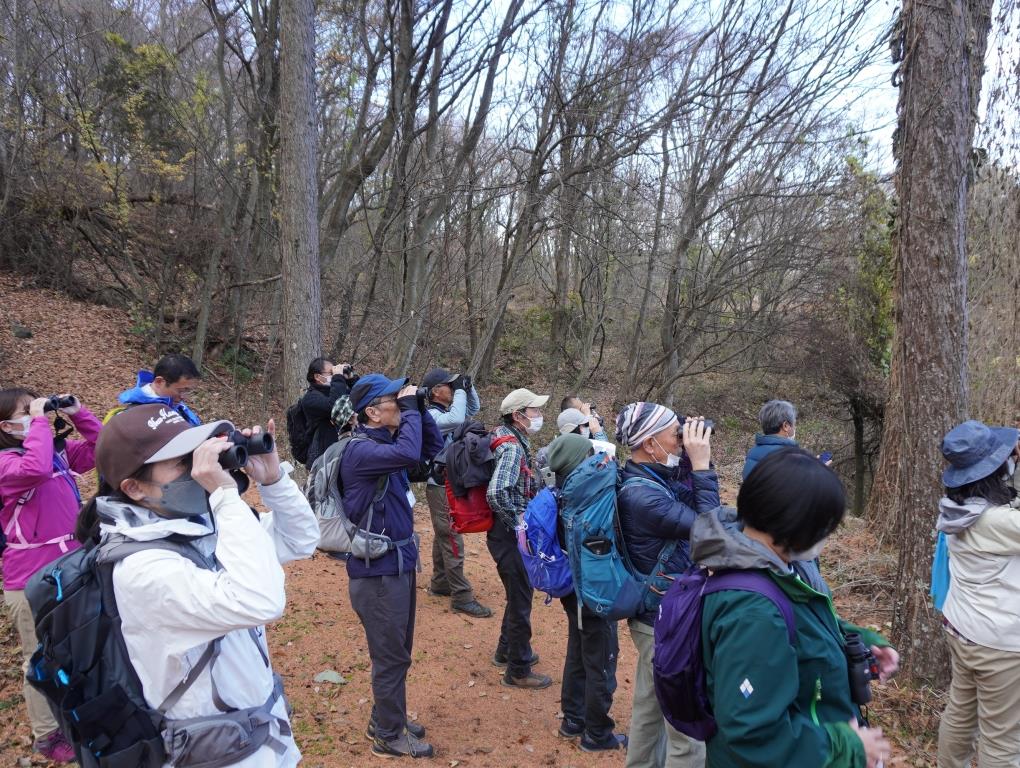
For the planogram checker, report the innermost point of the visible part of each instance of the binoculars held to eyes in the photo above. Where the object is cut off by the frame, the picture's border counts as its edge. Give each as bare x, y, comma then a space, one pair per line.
237, 455
56, 403
709, 424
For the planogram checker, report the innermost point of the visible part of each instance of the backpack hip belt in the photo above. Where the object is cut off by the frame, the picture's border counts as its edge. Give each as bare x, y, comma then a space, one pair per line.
218, 740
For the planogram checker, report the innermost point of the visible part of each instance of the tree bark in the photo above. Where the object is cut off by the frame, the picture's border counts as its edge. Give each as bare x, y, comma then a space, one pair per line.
944, 46
299, 230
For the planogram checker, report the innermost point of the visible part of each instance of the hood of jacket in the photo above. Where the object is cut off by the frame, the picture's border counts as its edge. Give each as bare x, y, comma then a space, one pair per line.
717, 543
142, 524
955, 518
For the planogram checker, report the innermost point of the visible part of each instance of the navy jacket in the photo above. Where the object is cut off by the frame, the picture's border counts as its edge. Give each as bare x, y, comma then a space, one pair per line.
364, 461
763, 446
661, 510
317, 405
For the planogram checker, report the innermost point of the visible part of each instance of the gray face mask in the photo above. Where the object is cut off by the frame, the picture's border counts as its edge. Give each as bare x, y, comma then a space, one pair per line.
182, 498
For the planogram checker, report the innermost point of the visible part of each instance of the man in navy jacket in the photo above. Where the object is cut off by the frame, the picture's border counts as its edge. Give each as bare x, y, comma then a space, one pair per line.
394, 433
667, 482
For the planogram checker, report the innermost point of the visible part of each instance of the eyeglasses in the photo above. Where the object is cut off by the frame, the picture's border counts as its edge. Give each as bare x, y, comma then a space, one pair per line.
379, 401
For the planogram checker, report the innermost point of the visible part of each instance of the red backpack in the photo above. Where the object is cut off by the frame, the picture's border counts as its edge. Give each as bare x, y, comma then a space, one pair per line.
466, 490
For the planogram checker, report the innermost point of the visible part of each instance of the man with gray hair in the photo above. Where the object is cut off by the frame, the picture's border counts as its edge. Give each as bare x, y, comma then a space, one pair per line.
778, 420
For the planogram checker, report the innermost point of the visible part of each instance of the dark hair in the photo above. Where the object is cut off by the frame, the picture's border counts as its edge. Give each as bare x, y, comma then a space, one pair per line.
992, 489
9, 401
508, 419
793, 497
567, 402
173, 368
86, 527
315, 368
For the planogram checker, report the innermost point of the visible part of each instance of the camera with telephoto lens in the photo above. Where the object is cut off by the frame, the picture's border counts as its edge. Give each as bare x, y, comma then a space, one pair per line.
422, 396
862, 667
57, 403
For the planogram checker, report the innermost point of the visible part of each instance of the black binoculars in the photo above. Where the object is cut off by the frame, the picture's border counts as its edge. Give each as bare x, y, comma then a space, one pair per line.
862, 667
237, 455
56, 403
709, 424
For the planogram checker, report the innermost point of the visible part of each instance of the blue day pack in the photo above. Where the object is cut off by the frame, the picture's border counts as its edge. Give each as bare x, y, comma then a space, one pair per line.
544, 559
678, 667
940, 571
604, 579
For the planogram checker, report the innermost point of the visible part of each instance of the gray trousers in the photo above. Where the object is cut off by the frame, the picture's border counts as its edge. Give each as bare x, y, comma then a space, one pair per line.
386, 605
447, 550
654, 742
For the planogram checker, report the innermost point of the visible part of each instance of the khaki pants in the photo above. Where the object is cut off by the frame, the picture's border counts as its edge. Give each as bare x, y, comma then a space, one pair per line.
447, 565
654, 743
39, 713
984, 706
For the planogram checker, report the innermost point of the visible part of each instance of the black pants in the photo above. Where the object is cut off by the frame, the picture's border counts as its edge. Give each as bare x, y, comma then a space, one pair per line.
515, 633
386, 605
589, 671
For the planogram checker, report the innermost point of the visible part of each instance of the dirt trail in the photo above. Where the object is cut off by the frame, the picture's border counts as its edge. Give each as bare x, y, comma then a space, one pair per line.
453, 688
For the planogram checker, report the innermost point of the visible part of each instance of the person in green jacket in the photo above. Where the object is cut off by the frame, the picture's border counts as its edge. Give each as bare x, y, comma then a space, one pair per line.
777, 705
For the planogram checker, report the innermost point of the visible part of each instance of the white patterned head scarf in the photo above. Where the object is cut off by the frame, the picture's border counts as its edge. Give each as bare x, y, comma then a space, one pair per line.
639, 421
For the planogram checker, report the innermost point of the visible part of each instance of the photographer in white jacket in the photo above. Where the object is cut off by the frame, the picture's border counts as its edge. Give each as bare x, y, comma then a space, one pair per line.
166, 480
981, 613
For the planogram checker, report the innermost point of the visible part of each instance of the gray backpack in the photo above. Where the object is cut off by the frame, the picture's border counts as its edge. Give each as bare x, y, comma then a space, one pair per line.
83, 668
337, 532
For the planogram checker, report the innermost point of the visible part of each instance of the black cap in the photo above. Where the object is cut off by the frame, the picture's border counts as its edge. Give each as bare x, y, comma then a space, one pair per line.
438, 376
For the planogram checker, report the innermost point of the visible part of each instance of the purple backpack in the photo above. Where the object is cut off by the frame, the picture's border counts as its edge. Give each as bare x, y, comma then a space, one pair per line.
678, 665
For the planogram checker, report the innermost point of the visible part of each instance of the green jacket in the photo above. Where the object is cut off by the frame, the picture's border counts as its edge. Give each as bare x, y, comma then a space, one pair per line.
776, 705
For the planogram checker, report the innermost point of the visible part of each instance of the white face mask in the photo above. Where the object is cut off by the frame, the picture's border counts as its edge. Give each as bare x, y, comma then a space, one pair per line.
1010, 467
535, 424
24, 421
809, 554
672, 460
585, 432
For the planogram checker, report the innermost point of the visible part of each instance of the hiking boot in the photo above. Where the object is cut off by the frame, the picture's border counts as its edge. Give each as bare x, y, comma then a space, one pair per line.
570, 730
415, 729
53, 746
438, 592
473, 608
533, 681
405, 745
501, 660
615, 741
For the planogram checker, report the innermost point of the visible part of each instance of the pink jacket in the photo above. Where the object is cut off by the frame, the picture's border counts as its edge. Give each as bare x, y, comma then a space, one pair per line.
40, 497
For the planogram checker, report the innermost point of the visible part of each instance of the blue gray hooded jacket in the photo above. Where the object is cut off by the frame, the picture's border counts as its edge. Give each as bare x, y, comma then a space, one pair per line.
138, 396
763, 446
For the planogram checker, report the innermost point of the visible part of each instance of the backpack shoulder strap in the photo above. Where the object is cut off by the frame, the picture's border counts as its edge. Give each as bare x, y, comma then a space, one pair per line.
760, 583
115, 548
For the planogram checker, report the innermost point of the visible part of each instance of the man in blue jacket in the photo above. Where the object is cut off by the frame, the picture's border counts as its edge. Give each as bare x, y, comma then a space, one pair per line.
667, 482
169, 383
778, 420
452, 401
394, 433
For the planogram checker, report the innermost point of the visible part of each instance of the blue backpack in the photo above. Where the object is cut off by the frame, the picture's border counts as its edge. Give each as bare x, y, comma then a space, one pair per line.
605, 581
678, 666
544, 559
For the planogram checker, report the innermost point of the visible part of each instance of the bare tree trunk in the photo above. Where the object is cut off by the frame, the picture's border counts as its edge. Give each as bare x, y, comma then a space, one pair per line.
944, 46
299, 229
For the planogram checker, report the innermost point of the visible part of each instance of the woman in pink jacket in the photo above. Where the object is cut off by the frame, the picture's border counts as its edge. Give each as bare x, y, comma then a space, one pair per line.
40, 506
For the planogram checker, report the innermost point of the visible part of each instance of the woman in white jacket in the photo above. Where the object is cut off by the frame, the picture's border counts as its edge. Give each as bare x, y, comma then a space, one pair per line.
981, 613
169, 481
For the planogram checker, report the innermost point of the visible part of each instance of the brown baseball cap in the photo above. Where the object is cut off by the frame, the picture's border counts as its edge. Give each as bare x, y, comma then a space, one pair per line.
145, 434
